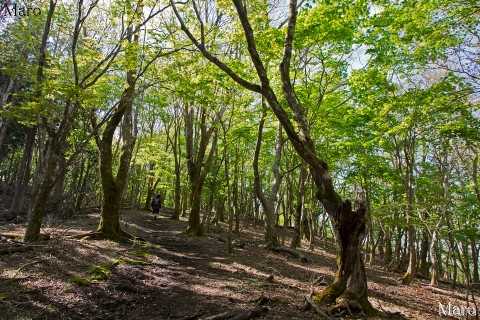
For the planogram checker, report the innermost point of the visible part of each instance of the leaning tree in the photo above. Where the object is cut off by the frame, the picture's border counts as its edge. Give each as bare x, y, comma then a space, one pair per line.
348, 220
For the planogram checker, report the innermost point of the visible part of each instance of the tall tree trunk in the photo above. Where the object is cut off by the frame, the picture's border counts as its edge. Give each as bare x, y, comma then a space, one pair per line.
57, 195
194, 223
433, 256
178, 178
268, 202
387, 258
235, 193
23, 176
475, 275
83, 185
213, 186
424, 248
41, 192
297, 236
412, 261
227, 197
381, 241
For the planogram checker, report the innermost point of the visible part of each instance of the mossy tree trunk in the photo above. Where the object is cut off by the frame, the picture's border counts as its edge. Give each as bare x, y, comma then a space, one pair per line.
350, 280
113, 186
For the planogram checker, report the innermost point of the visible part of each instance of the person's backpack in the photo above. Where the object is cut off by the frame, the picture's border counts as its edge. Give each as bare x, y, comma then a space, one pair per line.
156, 202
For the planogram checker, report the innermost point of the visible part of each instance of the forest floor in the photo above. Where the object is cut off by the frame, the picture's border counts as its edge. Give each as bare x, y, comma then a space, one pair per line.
175, 276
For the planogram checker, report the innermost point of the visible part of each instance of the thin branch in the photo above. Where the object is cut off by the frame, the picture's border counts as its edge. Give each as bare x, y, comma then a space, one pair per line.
246, 84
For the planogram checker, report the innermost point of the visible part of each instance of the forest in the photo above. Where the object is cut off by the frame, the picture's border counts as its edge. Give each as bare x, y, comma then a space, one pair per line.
320, 154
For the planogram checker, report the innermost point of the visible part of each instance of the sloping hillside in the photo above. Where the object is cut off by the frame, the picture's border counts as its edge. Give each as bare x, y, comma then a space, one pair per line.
175, 276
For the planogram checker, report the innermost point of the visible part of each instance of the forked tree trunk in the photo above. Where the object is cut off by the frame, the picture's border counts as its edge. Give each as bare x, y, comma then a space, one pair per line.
198, 161
113, 187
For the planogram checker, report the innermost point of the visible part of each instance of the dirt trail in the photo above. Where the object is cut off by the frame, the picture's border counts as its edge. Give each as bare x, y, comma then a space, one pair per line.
174, 276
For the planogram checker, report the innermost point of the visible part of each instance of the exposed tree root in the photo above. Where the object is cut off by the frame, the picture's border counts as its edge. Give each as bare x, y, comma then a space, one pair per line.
329, 294
15, 249
344, 301
240, 315
297, 254
24, 248
309, 303
20, 236
347, 305
122, 236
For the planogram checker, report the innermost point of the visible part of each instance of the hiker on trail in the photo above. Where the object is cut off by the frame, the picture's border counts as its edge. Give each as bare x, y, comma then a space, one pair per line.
156, 204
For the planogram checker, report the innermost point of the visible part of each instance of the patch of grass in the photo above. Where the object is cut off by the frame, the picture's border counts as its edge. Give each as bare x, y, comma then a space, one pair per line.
7, 313
53, 308
131, 262
101, 271
83, 282
98, 272
142, 254
187, 235
147, 245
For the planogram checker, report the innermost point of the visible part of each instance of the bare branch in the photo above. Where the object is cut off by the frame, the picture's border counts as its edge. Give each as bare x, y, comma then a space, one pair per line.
244, 83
